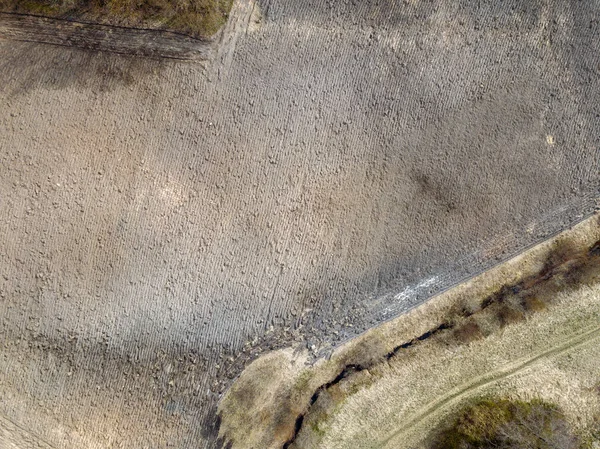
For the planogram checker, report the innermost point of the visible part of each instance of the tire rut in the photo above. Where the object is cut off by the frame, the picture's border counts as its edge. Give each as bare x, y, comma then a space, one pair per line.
13, 435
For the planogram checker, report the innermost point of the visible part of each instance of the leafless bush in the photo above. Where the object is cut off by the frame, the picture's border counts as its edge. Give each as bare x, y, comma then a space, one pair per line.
504, 424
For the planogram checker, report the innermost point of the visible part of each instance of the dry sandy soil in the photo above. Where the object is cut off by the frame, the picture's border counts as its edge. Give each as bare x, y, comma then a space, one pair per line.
331, 165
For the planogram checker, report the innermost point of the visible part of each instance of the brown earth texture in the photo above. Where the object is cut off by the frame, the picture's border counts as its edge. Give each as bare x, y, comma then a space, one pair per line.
319, 169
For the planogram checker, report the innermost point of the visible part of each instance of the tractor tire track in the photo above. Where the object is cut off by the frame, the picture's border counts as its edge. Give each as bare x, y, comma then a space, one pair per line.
14, 436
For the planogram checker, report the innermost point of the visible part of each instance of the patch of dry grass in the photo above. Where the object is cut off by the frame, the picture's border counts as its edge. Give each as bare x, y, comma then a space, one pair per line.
199, 18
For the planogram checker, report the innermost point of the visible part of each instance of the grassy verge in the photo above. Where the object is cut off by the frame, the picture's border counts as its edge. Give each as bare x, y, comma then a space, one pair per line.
199, 18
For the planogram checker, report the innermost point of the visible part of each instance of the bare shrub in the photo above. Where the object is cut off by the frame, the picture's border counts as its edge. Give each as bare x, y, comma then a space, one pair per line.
468, 332
509, 315
533, 303
506, 424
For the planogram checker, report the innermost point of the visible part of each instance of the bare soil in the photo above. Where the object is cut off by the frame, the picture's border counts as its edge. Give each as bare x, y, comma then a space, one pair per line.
328, 167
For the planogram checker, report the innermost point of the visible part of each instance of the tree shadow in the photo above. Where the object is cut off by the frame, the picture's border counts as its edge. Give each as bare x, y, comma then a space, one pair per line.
27, 66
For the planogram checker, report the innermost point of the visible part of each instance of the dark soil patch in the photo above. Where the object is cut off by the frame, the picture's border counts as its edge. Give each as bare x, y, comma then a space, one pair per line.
468, 332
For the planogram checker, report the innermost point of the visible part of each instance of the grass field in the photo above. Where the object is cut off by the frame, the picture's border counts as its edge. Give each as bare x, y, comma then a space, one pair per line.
199, 18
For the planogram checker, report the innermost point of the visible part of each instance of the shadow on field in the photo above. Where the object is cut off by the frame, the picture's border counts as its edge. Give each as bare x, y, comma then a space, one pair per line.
46, 66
